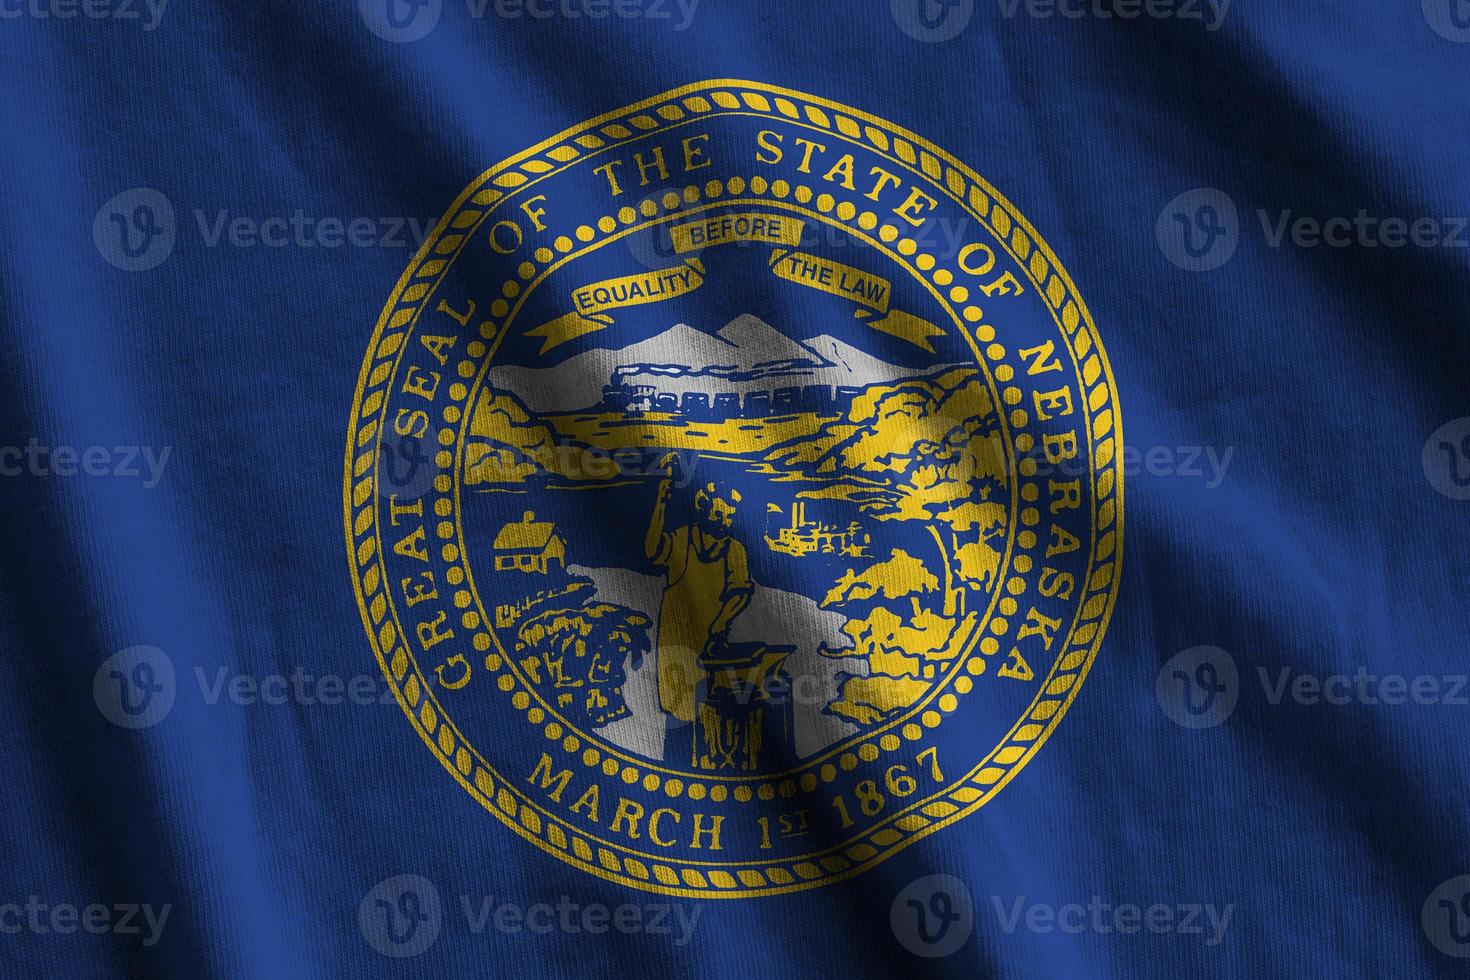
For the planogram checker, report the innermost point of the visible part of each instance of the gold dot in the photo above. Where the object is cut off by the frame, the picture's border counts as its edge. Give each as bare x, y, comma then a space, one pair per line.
988, 646
466, 369
451, 414
975, 665
446, 437
766, 791
455, 576
888, 742
442, 483
1029, 492
691, 194
511, 289
867, 751
585, 233
826, 202
848, 762
492, 661
943, 277
803, 194
649, 208
630, 775
758, 185
610, 767
520, 699
736, 185
1025, 443
808, 782
444, 460
470, 620
846, 210
450, 552
1011, 396
526, 270
482, 642
930, 719
499, 308
1005, 373
606, 224
627, 215
535, 716
924, 262
828, 773
457, 392
718, 793
590, 757
964, 685
959, 294
1019, 418
673, 787
780, 188
543, 255
553, 731
888, 233
1007, 605
973, 314
571, 743
1027, 467
445, 529
1030, 517
442, 507
984, 333
506, 683
1016, 586
650, 782
912, 732
995, 352
1026, 539
696, 791
907, 246
1000, 626
948, 702
867, 221
714, 188
671, 201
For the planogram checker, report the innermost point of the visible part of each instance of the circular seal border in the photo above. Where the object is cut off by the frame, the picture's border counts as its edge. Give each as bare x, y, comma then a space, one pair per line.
905, 826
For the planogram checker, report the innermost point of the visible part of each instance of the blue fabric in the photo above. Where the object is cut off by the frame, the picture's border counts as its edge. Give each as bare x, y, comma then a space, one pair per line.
1329, 544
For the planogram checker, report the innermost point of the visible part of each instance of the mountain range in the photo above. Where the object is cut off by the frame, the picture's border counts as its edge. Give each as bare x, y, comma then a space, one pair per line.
745, 354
